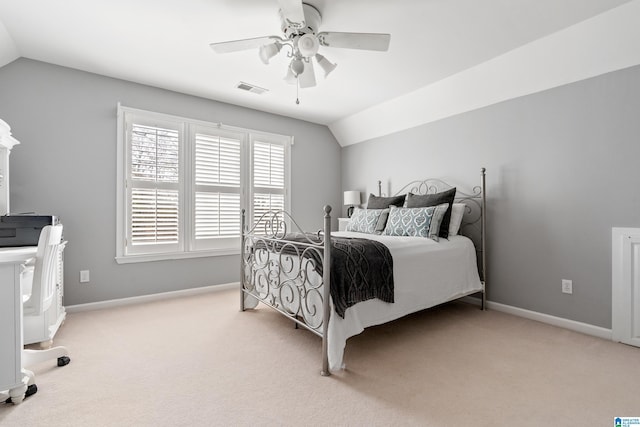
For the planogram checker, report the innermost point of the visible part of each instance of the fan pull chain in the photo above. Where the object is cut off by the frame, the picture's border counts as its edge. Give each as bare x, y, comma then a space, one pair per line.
297, 91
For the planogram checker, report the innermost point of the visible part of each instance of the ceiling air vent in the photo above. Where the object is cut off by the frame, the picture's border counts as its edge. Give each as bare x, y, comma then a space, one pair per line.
251, 88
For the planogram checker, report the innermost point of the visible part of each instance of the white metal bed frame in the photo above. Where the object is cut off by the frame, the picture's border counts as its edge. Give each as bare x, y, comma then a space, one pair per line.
277, 271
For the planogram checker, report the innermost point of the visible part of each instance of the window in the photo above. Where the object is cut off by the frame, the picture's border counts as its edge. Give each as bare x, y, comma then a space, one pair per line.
267, 177
182, 184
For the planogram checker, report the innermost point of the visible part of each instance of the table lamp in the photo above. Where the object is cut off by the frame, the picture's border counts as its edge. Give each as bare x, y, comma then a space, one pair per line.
351, 198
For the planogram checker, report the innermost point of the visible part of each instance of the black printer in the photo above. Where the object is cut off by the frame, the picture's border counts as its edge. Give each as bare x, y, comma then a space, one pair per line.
23, 229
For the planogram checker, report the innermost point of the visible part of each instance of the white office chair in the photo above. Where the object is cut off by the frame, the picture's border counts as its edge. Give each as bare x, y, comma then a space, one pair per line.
38, 281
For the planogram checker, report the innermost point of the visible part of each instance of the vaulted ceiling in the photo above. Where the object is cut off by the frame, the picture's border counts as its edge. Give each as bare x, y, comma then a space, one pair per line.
165, 43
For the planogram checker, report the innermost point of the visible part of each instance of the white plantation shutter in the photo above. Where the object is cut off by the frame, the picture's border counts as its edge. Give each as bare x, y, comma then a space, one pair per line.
269, 178
268, 165
182, 184
217, 215
153, 187
218, 180
154, 217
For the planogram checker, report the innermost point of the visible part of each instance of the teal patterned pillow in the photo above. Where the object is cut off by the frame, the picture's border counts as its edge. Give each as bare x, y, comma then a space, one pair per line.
419, 222
365, 220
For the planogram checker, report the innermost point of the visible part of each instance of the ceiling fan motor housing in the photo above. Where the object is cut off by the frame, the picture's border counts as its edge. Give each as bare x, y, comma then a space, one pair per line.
312, 20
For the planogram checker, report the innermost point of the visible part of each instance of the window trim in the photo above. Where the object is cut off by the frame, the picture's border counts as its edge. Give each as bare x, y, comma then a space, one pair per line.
180, 128
188, 129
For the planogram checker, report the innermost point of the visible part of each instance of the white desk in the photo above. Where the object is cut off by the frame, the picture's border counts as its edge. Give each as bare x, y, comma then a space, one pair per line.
11, 376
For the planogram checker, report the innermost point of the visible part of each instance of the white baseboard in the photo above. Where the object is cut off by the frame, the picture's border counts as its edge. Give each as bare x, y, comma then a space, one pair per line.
573, 325
561, 322
148, 298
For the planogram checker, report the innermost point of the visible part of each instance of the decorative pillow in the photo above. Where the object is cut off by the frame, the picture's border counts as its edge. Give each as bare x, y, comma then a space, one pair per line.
426, 200
365, 220
419, 222
376, 202
457, 212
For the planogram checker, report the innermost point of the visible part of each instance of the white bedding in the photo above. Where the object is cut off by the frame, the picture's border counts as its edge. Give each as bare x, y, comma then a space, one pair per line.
425, 273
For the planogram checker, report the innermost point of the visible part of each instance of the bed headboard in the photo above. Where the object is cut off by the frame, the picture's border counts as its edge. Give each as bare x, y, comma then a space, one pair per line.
474, 221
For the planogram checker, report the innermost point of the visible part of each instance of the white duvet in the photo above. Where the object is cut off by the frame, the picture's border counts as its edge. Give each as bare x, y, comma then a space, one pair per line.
425, 273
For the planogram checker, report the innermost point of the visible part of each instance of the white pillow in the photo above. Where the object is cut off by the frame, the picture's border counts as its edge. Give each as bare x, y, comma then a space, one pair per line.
457, 212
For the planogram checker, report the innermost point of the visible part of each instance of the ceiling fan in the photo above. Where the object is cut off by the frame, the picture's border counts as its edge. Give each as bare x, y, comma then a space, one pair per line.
299, 24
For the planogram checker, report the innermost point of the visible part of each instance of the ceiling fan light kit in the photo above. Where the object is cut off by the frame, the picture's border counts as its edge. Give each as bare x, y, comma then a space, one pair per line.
290, 78
308, 44
299, 24
324, 63
268, 51
297, 66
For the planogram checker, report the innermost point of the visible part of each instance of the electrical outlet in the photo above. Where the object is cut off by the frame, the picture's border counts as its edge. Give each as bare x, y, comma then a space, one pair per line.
567, 286
84, 276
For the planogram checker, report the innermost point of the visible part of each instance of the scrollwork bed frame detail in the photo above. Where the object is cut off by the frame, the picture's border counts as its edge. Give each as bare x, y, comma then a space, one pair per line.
276, 272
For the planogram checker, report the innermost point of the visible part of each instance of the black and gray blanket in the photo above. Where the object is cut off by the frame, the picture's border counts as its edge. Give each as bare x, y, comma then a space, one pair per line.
361, 269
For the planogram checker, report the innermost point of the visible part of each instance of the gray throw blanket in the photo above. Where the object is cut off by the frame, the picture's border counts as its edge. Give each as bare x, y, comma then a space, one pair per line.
361, 269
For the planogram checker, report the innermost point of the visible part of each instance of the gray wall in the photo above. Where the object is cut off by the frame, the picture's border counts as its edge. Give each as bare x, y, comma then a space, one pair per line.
562, 169
66, 165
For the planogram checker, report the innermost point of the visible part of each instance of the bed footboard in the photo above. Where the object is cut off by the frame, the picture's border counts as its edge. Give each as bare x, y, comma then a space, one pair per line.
279, 267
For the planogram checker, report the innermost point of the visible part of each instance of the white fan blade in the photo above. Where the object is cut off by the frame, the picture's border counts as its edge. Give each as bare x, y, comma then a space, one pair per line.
308, 76
292, 13
244, 44
366, 41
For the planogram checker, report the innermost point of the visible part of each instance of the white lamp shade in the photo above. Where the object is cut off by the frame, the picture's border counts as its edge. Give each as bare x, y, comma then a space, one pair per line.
290, 77
324, 63
297, 67
268, 51
352, 198
308, 45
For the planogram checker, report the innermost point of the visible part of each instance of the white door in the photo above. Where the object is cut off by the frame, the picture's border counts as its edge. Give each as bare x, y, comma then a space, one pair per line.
626, 285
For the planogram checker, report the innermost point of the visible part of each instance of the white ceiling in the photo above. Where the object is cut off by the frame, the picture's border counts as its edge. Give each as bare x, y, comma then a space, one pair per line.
165, 43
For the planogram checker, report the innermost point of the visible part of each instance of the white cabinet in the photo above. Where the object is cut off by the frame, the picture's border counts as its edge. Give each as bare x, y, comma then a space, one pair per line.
36, 328
11, 376
626, 285
6, 144
42, 329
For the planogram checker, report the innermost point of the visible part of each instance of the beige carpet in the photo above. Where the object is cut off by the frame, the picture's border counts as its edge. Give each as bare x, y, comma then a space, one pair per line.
198, 361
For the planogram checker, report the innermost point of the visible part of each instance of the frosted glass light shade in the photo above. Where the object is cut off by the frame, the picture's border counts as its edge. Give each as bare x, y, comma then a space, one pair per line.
290, 78
297, 66
268, 51
308, 45
324, 63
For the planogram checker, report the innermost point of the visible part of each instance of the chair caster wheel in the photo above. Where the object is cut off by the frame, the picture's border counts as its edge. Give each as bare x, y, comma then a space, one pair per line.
64, 360
32, 389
